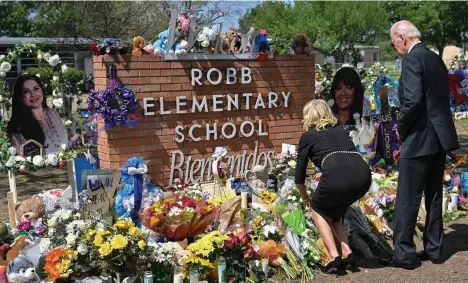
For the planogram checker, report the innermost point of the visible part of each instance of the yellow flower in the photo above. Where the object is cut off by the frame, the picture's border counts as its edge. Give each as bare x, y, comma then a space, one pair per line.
141, 244
119, 242
105, 249
134, 232
98, 241
192, 259
267, 197
90, 233
123, 224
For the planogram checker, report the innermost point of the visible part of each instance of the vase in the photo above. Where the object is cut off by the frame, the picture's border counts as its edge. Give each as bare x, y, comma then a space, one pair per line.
178, 274
194, 275
221, 268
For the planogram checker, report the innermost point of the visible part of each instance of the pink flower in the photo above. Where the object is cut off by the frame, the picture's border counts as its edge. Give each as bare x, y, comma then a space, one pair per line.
24, 226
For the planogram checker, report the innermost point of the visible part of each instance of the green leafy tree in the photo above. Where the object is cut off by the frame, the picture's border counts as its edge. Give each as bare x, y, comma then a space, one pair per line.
326, 24
441, 23
15, 18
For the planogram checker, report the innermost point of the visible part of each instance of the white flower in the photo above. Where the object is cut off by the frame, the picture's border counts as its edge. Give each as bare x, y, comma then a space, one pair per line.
38, 161
44, 245
46, 56
370, 72
12, 151
5, 67
269, 229
1, 98
38, 75
19, 159
65, 214
10, 162
100, 227
51, 160
64, 146
57, 102
55, 79
64, 69
71, 238
2, 74
54, 60
68, 123
52, 222
11, 54
82, 249
2, 56
205, 43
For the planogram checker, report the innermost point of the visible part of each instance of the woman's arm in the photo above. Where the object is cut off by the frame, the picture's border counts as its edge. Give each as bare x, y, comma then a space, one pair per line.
301, 168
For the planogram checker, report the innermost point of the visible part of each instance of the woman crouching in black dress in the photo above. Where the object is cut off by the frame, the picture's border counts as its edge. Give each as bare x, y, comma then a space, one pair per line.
345, 178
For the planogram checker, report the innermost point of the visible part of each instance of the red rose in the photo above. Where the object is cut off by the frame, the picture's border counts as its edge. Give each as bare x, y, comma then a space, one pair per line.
61, 165
249, 253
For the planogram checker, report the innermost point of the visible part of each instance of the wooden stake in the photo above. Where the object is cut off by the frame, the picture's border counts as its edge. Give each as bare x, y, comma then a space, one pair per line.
11, 209
12, 181
72, 178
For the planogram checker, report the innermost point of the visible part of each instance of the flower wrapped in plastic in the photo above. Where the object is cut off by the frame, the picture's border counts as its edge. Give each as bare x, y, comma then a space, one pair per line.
180, 216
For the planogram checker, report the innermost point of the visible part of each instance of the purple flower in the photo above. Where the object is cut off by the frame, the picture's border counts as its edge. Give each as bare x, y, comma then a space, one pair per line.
389, 199
39, 229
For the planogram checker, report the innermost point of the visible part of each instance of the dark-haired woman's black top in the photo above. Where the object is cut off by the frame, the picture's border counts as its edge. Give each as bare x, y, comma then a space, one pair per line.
346, 177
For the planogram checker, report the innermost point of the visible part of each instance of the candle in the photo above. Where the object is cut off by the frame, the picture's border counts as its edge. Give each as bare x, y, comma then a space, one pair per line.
244, 200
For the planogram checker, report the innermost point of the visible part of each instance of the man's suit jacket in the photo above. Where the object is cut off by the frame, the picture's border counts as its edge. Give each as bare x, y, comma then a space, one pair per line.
425, 118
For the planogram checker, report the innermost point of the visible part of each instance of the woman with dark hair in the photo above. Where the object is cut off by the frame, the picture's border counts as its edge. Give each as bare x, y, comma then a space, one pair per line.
347, 93
32, 119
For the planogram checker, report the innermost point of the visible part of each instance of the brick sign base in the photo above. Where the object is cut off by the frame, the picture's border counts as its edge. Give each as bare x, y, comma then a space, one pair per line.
154, 138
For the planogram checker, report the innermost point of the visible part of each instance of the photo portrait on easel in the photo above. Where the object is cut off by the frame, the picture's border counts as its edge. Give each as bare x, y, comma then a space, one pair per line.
32, 119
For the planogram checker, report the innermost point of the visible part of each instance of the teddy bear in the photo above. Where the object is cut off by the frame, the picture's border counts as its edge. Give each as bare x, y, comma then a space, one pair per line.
30, 209
160, 44
139, 47
184, 24
21, 270
300, 45
257, 179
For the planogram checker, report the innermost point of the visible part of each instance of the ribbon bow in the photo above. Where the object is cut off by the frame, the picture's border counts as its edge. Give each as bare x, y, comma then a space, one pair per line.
138, 174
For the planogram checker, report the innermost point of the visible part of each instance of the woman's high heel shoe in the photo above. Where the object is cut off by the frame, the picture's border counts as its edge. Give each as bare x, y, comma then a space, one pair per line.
333, 267
350, 261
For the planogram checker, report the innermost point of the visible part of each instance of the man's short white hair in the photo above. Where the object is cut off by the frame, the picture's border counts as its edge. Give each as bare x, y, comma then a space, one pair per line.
405, 28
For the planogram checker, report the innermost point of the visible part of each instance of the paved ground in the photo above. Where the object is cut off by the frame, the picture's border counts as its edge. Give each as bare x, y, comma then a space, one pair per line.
454, 269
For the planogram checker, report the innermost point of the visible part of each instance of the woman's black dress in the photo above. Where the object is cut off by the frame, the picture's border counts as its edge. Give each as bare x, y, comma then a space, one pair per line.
346, 177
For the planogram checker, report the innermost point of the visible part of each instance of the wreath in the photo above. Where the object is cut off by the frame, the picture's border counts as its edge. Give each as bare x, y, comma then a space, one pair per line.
116, 105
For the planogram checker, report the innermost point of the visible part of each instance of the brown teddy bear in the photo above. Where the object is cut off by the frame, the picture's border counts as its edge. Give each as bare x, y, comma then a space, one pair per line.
138, 46
30, 209
300, 45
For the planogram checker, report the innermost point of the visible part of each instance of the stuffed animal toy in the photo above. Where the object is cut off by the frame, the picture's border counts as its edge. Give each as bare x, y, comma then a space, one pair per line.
160, 44
30, 209
184, 24
21, 270
207, 36
138, 46
261, 42
300, 45
257, 179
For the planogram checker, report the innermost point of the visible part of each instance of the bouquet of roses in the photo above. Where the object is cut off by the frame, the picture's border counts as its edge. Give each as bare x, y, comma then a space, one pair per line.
180, 216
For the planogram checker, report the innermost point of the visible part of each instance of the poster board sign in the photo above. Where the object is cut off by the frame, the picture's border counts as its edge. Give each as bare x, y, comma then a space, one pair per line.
102, 186
288, 148
80, 165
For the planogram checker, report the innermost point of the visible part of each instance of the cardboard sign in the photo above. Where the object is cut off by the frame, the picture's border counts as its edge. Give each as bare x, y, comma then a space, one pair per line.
101, 186
288, 147
31, 148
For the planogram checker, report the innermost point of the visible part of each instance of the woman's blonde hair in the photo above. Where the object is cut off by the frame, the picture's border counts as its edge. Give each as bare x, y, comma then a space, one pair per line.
318, 113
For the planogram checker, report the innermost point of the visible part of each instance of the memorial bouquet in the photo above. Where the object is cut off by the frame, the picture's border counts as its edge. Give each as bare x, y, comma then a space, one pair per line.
180, 216
60, 263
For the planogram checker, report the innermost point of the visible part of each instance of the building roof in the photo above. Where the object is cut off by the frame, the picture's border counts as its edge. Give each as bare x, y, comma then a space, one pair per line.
4, 40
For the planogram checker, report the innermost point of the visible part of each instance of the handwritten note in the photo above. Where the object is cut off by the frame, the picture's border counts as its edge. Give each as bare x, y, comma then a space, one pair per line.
102, 187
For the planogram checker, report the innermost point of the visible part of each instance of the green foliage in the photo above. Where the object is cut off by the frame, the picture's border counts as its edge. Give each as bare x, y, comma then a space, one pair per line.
45, 73
14, 15
75, 77
441, 23
324, 23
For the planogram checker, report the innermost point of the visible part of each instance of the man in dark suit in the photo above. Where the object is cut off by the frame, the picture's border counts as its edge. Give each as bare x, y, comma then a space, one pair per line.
426, 131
